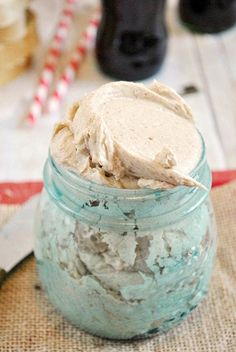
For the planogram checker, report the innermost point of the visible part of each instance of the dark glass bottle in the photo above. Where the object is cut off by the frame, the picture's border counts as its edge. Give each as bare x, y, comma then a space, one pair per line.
132, 38
208, 16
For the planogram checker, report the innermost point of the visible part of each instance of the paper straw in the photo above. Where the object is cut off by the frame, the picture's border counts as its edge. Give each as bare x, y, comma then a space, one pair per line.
85, 43
50, 64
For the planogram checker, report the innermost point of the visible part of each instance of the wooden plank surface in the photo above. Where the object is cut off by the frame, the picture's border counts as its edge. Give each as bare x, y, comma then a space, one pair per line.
204, 62
219, 86
184, 68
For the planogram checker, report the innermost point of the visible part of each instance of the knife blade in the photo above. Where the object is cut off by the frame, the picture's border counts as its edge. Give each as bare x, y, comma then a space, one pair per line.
16, 237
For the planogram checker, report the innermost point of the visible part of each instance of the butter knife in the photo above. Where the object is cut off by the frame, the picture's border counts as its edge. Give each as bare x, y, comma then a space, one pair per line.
16, 237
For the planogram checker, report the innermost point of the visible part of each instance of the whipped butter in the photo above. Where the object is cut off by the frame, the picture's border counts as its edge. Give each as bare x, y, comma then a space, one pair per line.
129, 136
118, 263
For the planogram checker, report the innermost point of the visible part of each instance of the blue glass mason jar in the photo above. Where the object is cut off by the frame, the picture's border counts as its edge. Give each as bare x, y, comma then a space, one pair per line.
124, 264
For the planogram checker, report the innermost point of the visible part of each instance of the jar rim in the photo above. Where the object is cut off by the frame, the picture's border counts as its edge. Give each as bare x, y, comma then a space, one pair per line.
80, 182
87, 200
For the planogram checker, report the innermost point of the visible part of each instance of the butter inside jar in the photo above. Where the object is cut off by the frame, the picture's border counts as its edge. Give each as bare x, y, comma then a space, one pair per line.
123, 250
129, 136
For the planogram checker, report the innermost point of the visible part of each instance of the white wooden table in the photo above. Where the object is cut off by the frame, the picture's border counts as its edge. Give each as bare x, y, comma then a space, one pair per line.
203, 61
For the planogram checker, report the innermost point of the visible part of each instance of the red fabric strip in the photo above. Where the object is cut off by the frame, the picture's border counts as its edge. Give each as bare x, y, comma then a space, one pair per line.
219, 178
18, 193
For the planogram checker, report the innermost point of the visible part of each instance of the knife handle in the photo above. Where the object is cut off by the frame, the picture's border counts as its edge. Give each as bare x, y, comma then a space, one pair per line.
3, 275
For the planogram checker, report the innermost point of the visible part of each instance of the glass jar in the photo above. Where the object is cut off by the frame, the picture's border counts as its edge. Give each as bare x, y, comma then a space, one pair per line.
124, 264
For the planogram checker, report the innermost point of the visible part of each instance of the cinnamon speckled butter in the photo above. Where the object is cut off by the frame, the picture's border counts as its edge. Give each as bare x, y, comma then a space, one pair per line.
129, 136
133, 259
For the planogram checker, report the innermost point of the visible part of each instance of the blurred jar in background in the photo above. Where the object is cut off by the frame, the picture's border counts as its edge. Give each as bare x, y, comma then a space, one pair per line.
208, 16
132, 38
18, 39
12, 20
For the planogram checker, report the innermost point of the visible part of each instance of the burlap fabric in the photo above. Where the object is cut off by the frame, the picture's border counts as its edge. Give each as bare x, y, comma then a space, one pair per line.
29, 323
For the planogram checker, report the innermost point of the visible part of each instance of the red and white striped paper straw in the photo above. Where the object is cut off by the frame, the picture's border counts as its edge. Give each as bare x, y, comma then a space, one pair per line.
86, 43
54, 53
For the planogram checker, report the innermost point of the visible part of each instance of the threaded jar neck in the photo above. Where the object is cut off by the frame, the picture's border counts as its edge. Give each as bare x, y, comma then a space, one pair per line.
108, 207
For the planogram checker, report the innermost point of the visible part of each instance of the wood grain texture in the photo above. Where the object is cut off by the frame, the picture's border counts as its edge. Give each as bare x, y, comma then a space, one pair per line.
184, 68
218, 85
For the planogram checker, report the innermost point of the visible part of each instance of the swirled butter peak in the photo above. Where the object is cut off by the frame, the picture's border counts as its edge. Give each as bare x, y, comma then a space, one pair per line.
126, 135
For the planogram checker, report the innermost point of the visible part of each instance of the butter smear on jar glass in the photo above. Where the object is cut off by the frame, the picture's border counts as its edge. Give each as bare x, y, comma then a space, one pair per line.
125, 236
